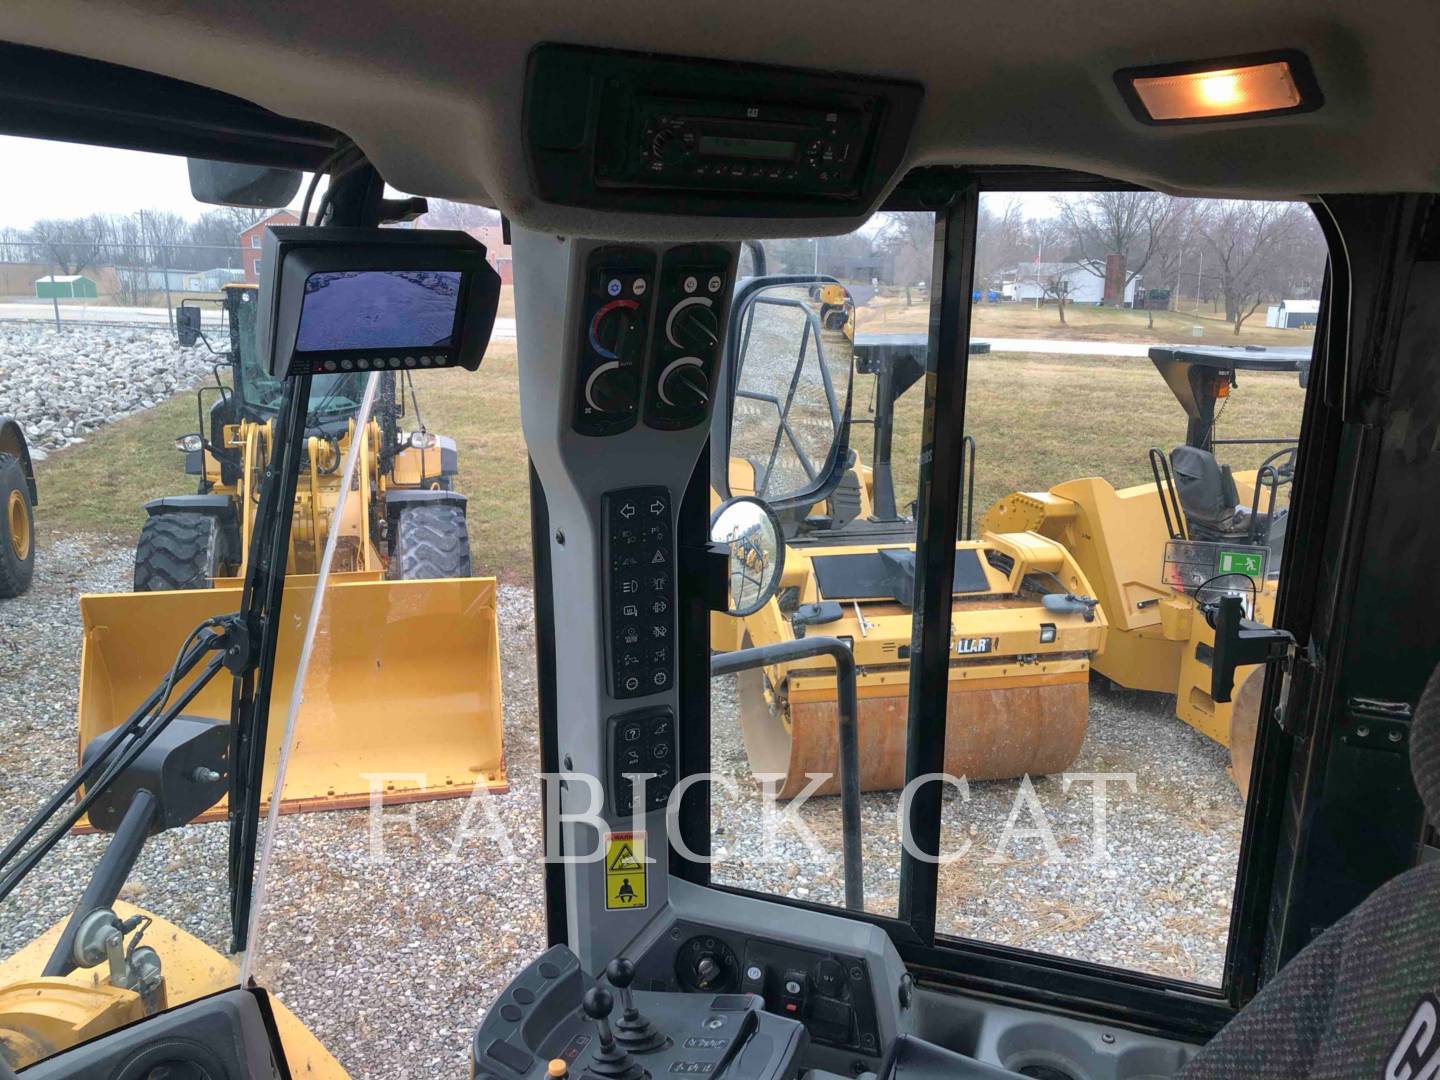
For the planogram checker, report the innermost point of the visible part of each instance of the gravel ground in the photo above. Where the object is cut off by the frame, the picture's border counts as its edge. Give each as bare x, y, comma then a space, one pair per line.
1154, 894
393, 962
63, 384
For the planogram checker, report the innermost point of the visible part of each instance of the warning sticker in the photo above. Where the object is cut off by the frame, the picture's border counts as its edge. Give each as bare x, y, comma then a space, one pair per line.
625, 871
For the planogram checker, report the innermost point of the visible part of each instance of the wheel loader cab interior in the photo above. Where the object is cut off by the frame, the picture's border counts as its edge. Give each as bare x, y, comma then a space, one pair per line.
580, 656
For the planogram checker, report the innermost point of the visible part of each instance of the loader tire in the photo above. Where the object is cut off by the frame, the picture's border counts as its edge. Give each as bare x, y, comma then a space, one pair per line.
431, 541
178, 551
17, 529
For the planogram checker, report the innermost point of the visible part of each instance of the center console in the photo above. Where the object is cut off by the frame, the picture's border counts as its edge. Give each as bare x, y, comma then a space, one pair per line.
552, 1021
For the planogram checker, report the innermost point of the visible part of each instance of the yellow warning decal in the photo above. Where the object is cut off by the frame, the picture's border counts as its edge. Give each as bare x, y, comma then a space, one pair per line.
625, 871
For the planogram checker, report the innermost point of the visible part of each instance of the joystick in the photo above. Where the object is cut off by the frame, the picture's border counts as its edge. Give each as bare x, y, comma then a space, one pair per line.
633, 1031
610, 1059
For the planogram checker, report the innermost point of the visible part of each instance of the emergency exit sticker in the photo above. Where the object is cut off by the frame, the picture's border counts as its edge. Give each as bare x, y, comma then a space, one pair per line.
1240, 562
625, 871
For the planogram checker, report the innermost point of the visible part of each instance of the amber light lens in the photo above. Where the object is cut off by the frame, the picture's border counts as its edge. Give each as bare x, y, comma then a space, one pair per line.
1222, 92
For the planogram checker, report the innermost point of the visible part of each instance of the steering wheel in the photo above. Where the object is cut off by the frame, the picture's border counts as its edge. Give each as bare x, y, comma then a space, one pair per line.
1281, 465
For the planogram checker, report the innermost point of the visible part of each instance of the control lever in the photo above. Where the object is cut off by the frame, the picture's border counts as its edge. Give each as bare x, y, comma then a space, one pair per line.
611, 1060
633, 1031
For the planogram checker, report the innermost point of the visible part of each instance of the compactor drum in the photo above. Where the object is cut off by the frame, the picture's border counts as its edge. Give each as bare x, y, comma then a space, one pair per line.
1024, 625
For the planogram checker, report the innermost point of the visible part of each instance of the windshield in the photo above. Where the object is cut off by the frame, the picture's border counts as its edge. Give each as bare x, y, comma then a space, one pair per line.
1136, 374
332, 395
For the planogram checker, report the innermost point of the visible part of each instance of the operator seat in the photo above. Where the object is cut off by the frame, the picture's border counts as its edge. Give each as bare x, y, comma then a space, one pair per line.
1212, 504
1361, 999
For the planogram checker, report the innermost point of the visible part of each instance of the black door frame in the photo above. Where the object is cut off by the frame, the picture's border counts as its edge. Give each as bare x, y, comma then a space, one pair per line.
1270, 901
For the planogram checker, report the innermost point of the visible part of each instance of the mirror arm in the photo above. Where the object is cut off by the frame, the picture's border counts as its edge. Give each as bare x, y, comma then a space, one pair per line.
1240, 642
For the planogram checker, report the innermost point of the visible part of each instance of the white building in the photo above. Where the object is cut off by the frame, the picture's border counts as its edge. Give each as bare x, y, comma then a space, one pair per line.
1030, 282
1293, 314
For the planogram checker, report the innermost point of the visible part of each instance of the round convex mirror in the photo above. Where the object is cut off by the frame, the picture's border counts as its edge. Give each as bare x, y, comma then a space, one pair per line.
751, 531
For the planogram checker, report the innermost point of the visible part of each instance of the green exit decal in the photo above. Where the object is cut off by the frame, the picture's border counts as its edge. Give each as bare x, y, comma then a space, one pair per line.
1240, 562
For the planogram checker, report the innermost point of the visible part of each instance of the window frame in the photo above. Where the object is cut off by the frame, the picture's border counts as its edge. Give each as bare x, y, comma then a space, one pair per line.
1161, 1005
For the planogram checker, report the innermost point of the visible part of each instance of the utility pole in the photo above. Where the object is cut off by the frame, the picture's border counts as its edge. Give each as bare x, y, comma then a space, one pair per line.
54, 295
1198, 272
1039, 289
1179, 266
165, 276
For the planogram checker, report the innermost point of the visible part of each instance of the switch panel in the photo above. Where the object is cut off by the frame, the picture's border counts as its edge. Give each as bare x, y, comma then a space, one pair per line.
829, 992
695, 287
619, 297
640, 565
642, 743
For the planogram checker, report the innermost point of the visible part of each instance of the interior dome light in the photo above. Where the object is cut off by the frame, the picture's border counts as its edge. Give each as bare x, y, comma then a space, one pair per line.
1220, 89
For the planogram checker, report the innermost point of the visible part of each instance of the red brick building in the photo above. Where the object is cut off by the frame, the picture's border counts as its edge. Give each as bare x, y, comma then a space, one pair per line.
250, 242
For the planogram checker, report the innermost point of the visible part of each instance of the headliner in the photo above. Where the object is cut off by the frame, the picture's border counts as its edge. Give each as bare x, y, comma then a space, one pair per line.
435, 100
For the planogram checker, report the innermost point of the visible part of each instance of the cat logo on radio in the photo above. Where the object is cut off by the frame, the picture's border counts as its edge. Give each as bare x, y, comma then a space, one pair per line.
625, 872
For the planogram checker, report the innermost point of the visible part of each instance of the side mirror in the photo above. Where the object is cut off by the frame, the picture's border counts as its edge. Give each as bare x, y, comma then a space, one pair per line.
222, 183
187, 325
784, 427
751, 531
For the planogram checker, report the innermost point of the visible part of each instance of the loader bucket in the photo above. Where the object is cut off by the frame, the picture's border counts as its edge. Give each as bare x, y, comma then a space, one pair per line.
995, 729
401, 699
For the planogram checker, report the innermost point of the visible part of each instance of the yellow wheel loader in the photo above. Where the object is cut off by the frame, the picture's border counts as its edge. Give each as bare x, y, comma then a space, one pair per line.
400, 546
1160, 554
1024, 625
90, 974
18, 496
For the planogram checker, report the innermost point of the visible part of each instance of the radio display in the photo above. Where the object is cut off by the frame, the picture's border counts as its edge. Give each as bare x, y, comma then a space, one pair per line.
731, 146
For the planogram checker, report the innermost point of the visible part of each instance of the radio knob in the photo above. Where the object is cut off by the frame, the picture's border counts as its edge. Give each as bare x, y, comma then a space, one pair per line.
695, 328
611, 388
616, 334
684, 385
666, 147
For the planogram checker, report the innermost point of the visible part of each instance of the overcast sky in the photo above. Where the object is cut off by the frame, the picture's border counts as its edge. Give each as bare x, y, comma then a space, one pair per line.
42, 179
54, 179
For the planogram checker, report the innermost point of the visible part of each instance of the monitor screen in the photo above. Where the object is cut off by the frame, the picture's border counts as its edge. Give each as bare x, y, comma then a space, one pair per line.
378, 309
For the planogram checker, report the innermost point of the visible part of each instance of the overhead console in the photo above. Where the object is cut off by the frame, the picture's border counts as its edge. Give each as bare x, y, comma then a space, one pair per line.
622, 131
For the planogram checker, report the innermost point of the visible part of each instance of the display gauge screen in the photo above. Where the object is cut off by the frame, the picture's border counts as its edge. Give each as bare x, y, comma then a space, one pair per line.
378, 309
732, 146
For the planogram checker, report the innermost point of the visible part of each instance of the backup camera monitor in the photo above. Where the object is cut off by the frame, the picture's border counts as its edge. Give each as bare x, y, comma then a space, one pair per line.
340, 300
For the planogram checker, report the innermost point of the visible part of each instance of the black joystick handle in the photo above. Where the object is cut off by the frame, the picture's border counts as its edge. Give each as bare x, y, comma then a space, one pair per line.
634, 1031
620, 973
598, 1004
611, 1060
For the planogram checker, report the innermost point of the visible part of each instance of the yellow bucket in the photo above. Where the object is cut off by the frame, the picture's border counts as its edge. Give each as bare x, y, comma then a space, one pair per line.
401, 700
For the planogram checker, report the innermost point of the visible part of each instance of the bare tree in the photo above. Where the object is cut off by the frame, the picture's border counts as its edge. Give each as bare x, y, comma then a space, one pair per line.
1000, 242
444, 214
69, 244
1176, 247
1127, 224
1056, 286
909, 236
1248, 247
13, 248
215, 236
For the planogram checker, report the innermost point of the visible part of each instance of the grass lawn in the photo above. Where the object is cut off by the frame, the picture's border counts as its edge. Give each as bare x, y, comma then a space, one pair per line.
1019, 320
101, 485
1038, 419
